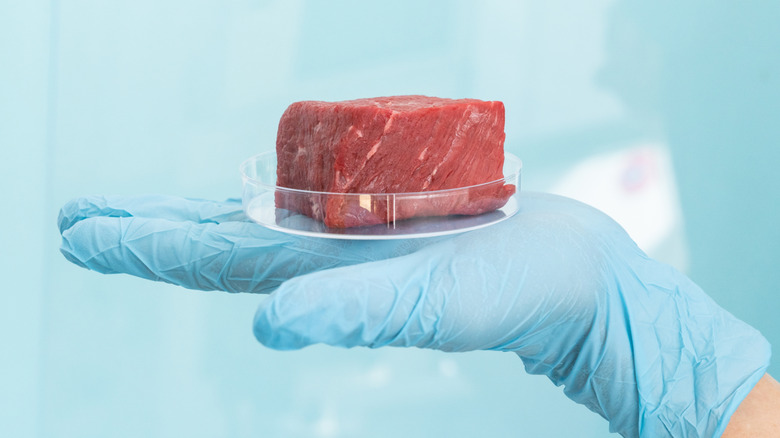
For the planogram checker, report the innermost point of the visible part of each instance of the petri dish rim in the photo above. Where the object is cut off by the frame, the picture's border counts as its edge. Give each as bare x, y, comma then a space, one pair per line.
259, 170
510, 161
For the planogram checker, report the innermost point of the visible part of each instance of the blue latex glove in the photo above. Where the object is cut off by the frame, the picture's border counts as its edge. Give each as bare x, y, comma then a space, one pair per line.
560, 284
200, 244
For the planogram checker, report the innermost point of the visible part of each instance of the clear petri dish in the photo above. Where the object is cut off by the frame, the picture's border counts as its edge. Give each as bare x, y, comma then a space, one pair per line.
376, 216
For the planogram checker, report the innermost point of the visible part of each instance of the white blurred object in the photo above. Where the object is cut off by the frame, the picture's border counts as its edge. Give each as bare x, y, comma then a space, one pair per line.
635, 186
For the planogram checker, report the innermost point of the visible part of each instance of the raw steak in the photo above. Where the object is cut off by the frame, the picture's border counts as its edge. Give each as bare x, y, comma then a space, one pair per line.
393, 144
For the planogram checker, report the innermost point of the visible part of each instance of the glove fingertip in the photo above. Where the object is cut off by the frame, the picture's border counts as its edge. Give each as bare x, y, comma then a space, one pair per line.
66, 251
83, 207
270, 330
79, 245
69, 214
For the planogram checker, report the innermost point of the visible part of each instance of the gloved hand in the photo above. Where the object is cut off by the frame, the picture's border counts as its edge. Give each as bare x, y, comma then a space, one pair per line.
200, 244
560, 284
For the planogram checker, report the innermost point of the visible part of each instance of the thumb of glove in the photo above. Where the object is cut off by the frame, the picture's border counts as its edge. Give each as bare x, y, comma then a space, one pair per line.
372, 304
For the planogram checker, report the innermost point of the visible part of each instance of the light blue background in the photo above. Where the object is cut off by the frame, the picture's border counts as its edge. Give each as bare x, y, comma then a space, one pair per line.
168, 97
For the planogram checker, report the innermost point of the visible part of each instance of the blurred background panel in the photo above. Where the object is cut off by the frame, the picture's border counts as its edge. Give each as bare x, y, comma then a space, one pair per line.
663, 115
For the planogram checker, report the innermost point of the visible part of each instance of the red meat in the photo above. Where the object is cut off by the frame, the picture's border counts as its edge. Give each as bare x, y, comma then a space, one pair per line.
396, 144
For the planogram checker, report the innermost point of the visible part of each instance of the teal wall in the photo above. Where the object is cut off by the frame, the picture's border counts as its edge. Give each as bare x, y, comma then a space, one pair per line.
168, 97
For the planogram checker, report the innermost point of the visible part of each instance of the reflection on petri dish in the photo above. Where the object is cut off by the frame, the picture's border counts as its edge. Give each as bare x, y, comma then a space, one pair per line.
379, 215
